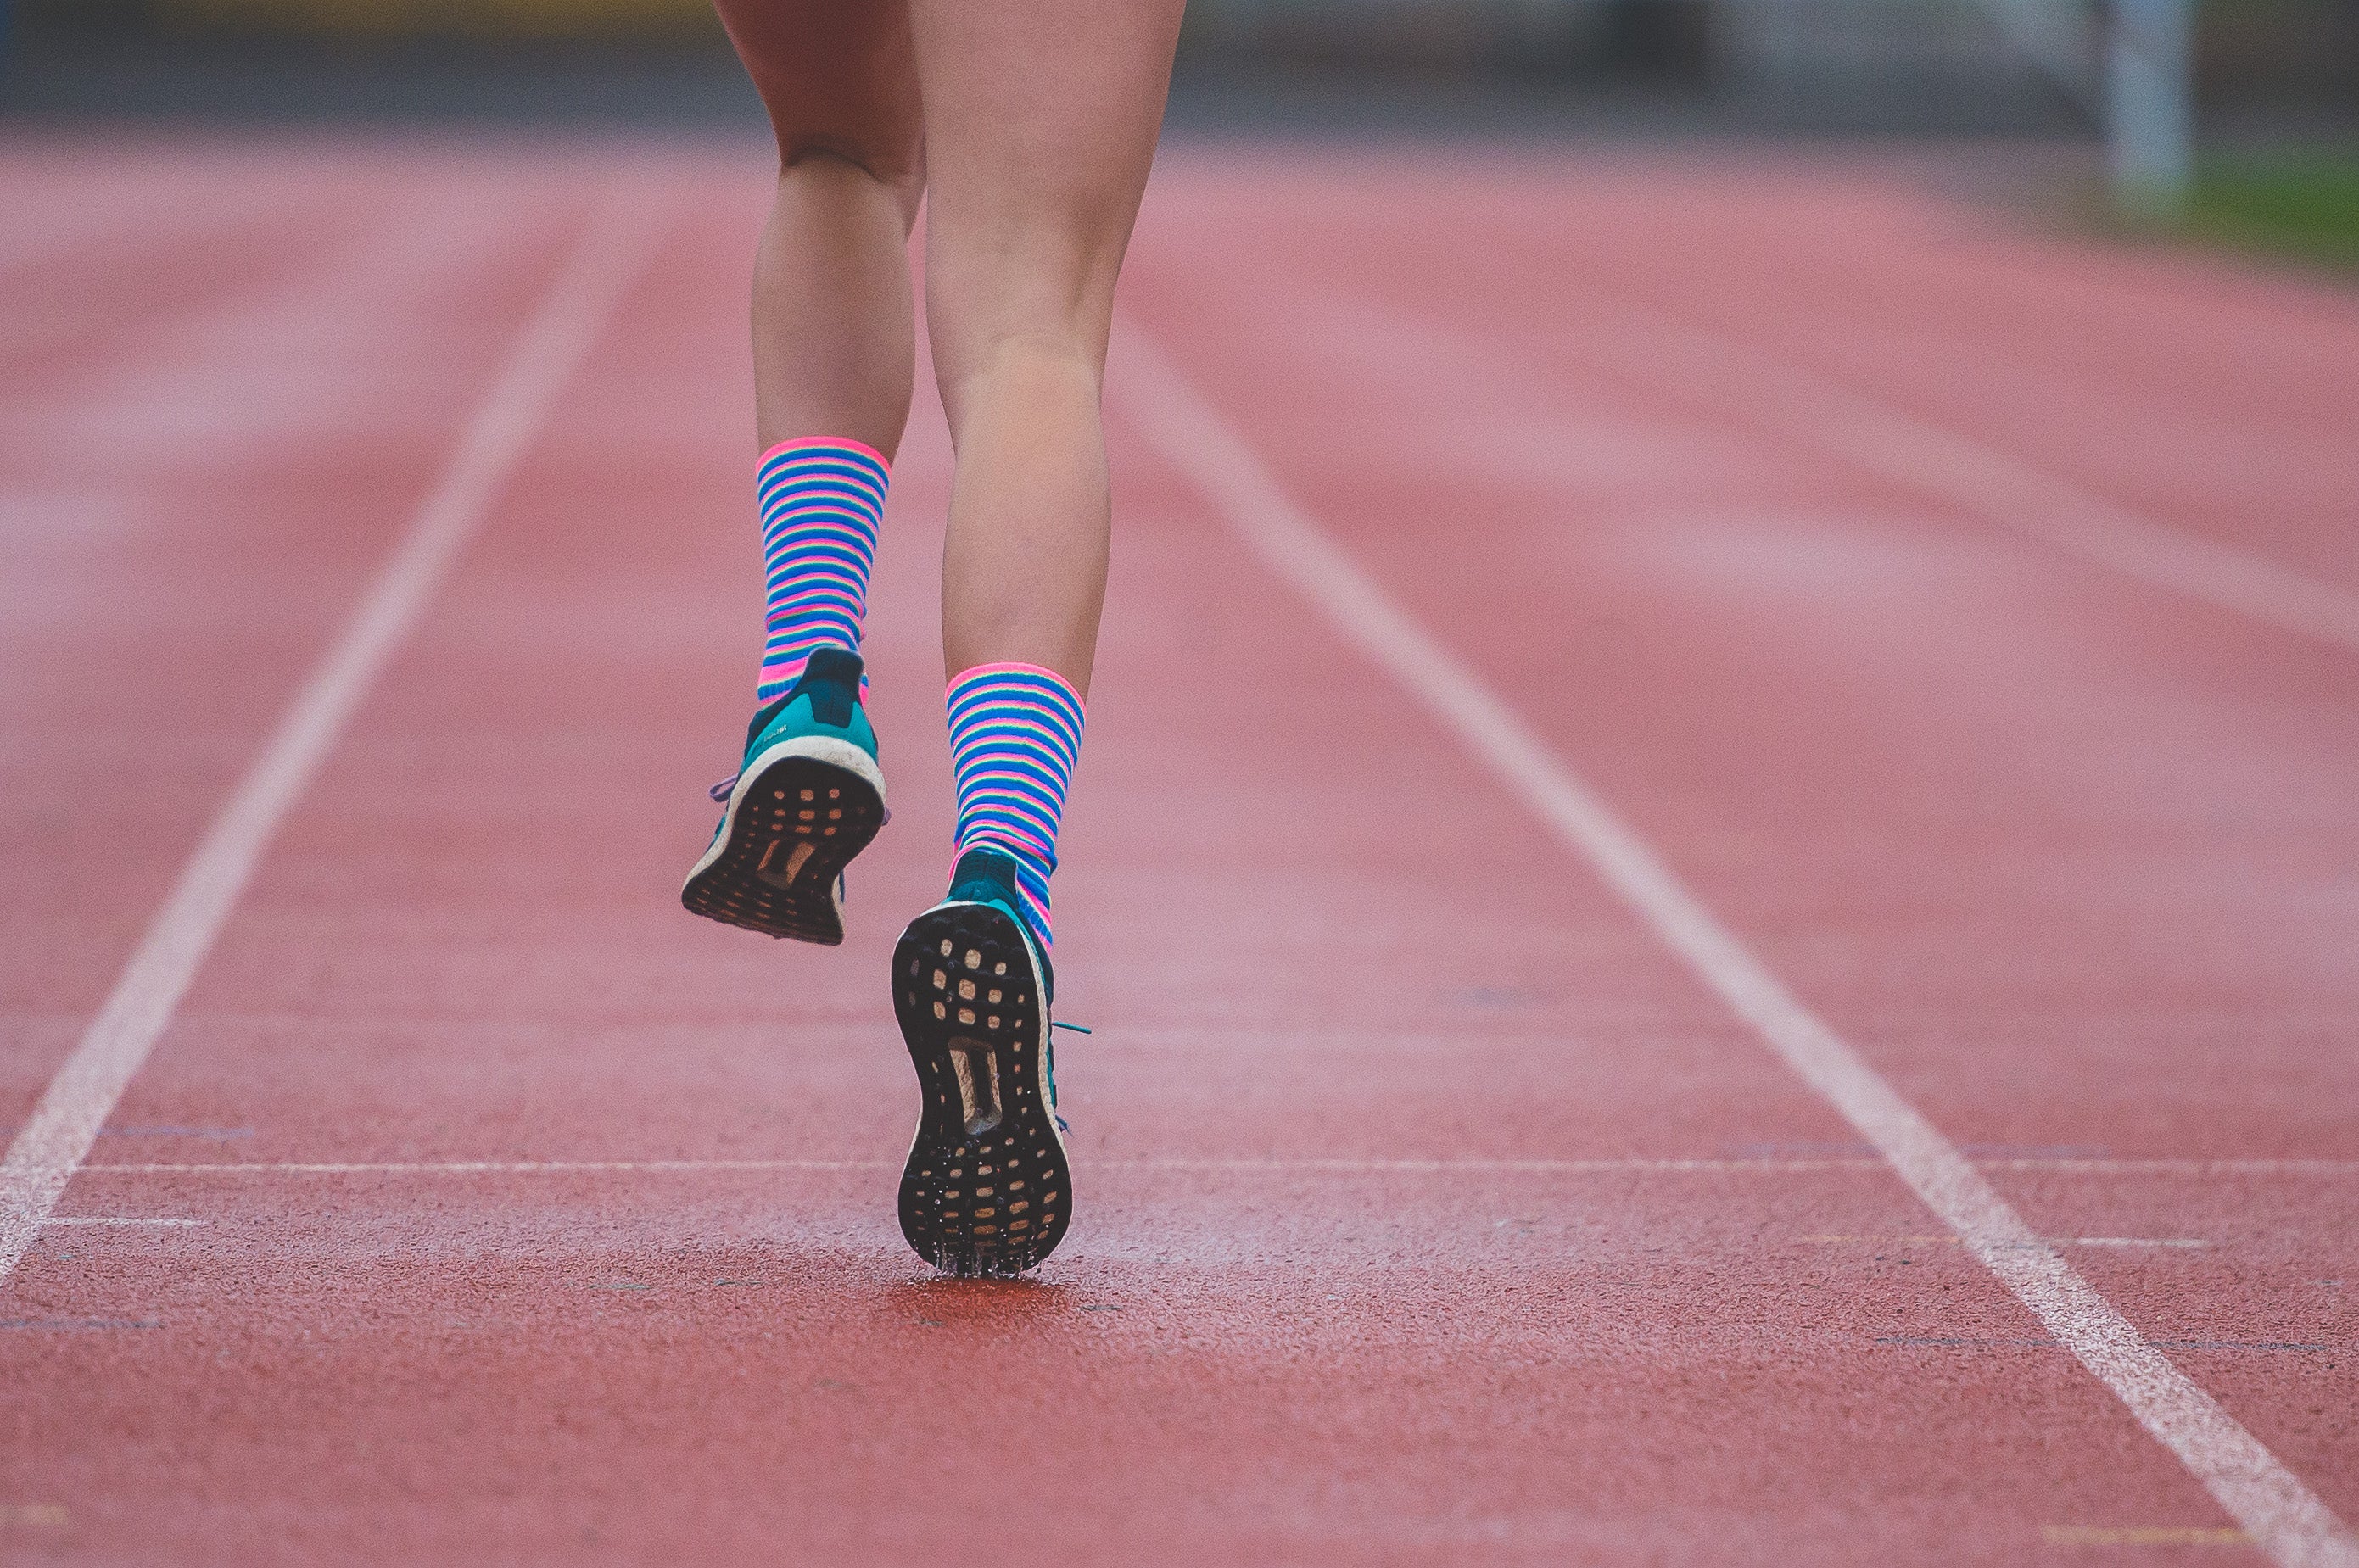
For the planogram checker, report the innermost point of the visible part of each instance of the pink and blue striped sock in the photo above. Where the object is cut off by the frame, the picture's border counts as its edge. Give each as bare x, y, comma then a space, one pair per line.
1015, 734
822, 499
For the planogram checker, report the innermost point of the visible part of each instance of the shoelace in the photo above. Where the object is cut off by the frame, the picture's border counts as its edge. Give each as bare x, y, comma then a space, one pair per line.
1055, 1024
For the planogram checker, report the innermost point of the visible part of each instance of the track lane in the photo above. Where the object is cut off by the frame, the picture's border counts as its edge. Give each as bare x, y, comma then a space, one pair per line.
1307, 929
1868, 630
82, 1096
168, 562
2188, 389
1343, 1371
1778, 693
2275, 1509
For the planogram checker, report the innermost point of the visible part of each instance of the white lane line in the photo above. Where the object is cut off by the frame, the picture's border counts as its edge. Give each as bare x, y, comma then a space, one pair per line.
2181, 1167
44, 1155
117, 1219
483, 1167
2182, 1243
1306, 1166
2260, 1494
1985, 484
1602, 1167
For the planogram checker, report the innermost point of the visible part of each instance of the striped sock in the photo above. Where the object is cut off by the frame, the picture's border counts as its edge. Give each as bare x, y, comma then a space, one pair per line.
821, 500
1015, 734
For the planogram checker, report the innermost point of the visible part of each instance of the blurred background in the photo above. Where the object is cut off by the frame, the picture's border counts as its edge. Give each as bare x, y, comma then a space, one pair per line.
2228, 120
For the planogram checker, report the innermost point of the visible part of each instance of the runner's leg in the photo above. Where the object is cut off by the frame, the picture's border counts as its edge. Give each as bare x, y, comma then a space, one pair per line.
832, 352
834, 336
1040, 123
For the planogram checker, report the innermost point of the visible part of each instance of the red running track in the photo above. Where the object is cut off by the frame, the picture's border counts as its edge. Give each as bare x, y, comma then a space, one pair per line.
475, 1204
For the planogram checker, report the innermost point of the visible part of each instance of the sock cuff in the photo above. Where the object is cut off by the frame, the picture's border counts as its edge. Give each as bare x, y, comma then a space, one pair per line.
827, 443
777, 675
1057, 683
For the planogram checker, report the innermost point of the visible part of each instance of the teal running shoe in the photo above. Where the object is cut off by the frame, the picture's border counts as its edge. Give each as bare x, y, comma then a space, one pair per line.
810, 796
986, 1189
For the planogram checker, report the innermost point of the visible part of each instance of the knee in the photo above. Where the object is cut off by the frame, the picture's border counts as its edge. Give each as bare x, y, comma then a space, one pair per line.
819, 157
892, 166
1013, 366
1038, 305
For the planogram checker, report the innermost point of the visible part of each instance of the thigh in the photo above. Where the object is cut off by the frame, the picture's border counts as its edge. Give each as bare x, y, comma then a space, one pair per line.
839, 78
1041, 117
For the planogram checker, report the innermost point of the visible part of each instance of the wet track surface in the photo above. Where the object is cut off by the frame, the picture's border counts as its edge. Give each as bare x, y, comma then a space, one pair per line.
475, 1204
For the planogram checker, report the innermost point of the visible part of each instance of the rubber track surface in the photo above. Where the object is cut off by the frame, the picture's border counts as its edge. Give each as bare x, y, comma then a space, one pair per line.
477, 1205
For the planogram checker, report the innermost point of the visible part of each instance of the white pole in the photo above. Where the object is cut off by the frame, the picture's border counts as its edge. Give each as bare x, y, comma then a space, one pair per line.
2148, 105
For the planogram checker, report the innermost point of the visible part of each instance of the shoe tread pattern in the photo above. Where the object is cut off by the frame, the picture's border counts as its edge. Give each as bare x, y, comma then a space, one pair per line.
793, 802
992, 1201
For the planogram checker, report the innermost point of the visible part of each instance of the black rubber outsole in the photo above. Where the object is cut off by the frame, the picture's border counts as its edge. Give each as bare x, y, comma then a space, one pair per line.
987, 1190
798, 824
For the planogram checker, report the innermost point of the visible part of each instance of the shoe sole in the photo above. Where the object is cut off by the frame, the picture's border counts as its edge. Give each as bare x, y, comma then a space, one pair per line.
795, 819
986, 1190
